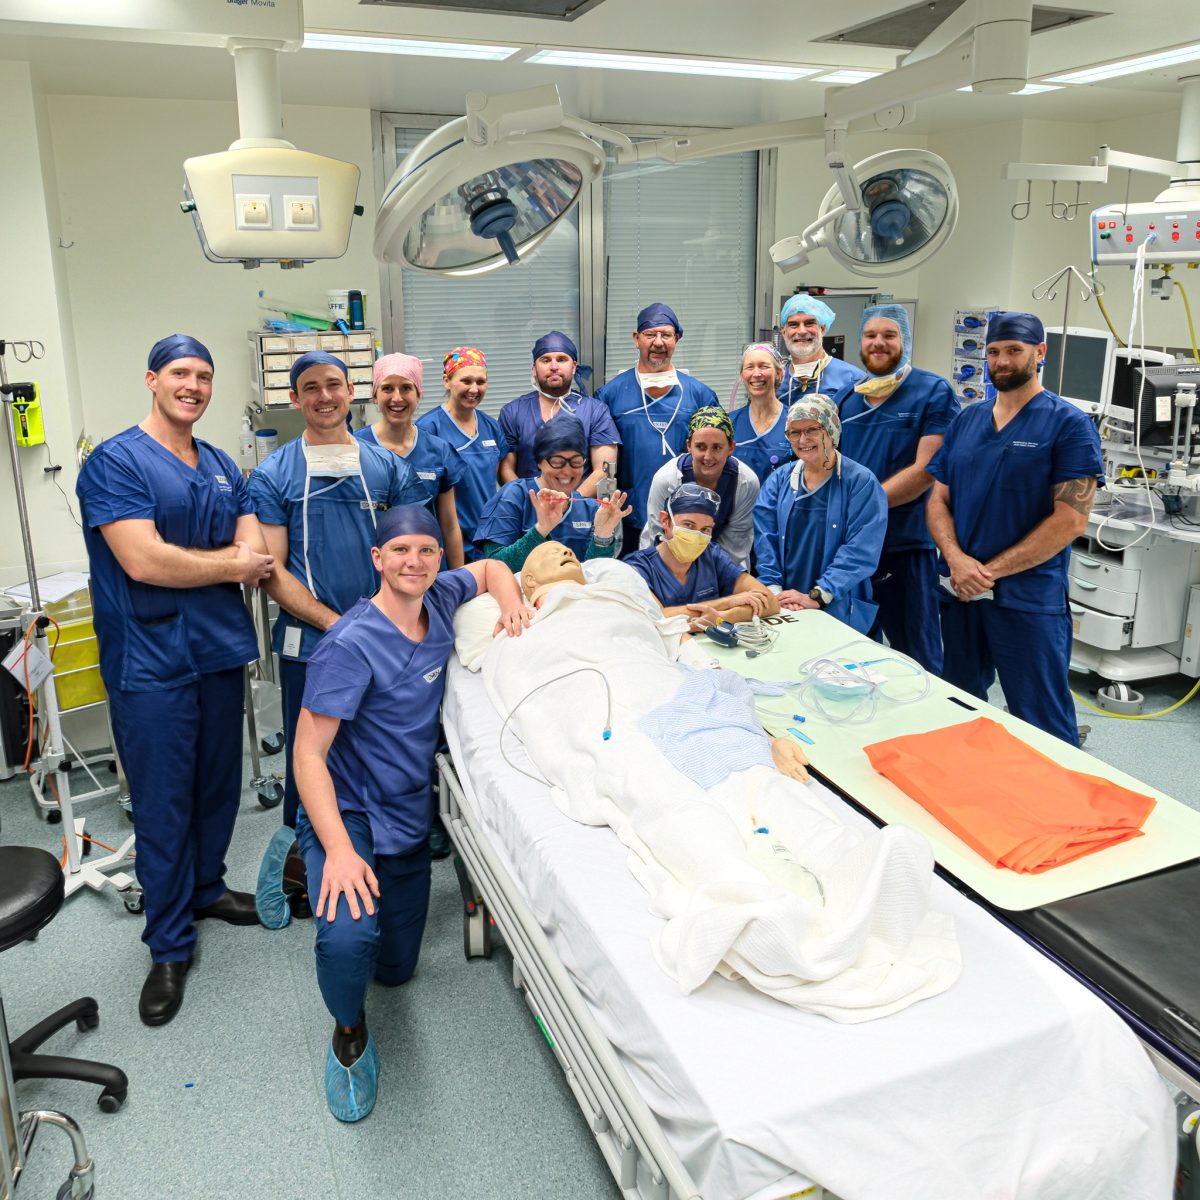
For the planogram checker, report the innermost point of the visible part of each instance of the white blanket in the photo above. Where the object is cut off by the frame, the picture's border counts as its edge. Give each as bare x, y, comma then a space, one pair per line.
858, 945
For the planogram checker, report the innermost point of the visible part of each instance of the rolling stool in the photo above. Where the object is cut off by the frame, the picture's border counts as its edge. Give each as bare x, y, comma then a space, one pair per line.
31, 893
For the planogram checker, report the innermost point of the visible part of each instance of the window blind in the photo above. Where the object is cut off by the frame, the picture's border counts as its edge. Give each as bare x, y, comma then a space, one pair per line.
684, 235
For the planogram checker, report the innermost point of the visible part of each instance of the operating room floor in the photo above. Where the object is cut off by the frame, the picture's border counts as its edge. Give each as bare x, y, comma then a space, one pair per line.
227, 1100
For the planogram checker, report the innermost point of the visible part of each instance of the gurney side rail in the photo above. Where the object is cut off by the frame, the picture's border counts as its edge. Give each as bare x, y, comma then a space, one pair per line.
626, 1131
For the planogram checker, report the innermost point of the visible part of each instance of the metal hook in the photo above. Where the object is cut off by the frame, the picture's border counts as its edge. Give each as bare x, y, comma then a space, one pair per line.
1055, 205
1025, 204
1078, 202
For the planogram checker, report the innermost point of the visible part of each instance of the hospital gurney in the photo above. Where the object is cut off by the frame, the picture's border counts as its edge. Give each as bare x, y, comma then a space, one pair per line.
1016, 1082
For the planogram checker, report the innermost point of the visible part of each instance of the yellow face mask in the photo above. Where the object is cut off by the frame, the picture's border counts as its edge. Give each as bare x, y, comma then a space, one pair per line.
688, 544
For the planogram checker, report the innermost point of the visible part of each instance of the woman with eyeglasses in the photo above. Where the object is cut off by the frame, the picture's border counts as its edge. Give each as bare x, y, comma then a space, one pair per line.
819, 525
690, 574
524, 513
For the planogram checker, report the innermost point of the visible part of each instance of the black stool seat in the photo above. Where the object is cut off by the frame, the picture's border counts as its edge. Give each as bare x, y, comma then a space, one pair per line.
31, 892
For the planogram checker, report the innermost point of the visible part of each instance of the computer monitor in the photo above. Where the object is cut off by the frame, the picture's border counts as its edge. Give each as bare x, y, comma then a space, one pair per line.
1087, 373
1144, 392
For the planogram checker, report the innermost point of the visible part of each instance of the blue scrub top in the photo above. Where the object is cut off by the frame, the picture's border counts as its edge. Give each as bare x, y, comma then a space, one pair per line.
1000, 488
522, 418
152, 638
510, 515
480, 460
434, 465
837, 548
386, 690
341, 530
643, 424
761, 452
713, 575
835, 379
883, 437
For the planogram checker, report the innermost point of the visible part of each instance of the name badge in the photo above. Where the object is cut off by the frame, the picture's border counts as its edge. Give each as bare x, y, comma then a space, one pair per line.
378, 505
429, 476
431, 676
490, 442
661, 426
223, 483
581, 524
291, 642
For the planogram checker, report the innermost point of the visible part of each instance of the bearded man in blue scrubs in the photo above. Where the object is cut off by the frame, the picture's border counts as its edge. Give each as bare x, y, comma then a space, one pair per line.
803, 323
555, 362
364, 749
893, 422
319, 499
651, 405
1015, 484
171, 534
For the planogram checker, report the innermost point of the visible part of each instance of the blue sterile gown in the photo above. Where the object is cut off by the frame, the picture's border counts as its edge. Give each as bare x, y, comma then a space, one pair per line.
831, 538
510, 515
713, 575
883, 438
835, 378
386, 690
341, 531
761, 452
644, 425
480, 457
171, 659
522, 418
1000, 484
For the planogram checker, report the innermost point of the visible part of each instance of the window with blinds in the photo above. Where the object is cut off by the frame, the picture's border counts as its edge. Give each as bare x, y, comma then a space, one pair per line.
684, 235
502, 313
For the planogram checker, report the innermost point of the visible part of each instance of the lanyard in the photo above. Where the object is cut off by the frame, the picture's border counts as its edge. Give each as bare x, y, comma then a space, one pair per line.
304, 518
647, 401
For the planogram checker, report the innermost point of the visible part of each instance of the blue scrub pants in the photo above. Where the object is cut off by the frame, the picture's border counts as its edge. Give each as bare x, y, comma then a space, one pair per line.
182, 753
383, 947
905, 587
1031, 652
292, 674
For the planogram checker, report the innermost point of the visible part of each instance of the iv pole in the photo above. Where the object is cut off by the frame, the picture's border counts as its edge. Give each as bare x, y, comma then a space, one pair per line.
52, 761
1046, 291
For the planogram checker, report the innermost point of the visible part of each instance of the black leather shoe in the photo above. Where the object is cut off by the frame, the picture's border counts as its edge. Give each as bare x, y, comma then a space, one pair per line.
162, 993
234, 908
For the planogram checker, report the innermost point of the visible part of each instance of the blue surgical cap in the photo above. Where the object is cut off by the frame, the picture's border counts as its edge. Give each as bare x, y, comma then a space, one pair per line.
314, 358
692, 498
1016, 327
893, 312
404, 519
554, 343
178, 345
803, 302
655, 315
560, 435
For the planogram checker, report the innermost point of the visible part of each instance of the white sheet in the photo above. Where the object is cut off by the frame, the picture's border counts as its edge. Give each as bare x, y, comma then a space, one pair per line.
861, 948
1017, 1084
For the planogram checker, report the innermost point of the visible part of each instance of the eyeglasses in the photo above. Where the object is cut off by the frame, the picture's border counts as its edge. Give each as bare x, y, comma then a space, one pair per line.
559, 461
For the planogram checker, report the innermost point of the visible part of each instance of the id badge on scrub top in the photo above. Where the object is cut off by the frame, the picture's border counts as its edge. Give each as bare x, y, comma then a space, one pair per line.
291, 642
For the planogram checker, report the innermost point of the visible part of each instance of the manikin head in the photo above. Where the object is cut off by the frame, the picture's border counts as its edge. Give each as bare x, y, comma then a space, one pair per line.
549, 564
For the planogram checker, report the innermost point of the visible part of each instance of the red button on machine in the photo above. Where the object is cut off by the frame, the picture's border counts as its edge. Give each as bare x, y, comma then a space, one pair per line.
1113, 224
1174, 237
1129, 237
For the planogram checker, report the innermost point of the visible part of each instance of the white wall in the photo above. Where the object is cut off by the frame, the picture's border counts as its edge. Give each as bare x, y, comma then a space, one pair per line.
33, 306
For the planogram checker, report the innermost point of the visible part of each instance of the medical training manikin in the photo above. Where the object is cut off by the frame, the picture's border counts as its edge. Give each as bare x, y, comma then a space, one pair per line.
753, 874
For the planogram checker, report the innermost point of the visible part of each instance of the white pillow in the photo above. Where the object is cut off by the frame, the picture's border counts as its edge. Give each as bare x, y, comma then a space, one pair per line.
474, 623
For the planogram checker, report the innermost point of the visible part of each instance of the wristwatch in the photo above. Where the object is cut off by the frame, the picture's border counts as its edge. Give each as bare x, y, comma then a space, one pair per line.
821, 596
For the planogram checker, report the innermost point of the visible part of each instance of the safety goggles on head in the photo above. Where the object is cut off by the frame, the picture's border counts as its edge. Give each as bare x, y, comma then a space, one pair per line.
560, 462
695, 491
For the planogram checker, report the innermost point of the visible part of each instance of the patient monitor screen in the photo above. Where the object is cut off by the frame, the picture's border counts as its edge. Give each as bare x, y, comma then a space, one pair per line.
1084, 379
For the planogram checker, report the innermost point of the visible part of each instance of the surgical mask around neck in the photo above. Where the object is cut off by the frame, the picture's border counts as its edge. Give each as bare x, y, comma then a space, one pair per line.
881, 385
688, 544
806, 370
337, 461
658, 379
537, 387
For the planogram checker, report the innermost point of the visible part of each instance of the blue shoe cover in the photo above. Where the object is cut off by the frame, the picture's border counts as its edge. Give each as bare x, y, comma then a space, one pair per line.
270, 900
350, 1091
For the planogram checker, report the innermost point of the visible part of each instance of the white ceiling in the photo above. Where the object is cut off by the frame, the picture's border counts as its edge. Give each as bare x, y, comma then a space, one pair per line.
772, 30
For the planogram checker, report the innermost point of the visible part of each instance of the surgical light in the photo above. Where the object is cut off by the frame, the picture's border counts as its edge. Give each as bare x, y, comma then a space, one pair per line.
368, 44
669, 64
909, 207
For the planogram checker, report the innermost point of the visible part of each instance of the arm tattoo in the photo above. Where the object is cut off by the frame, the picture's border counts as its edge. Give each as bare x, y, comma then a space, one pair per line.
1078, 493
